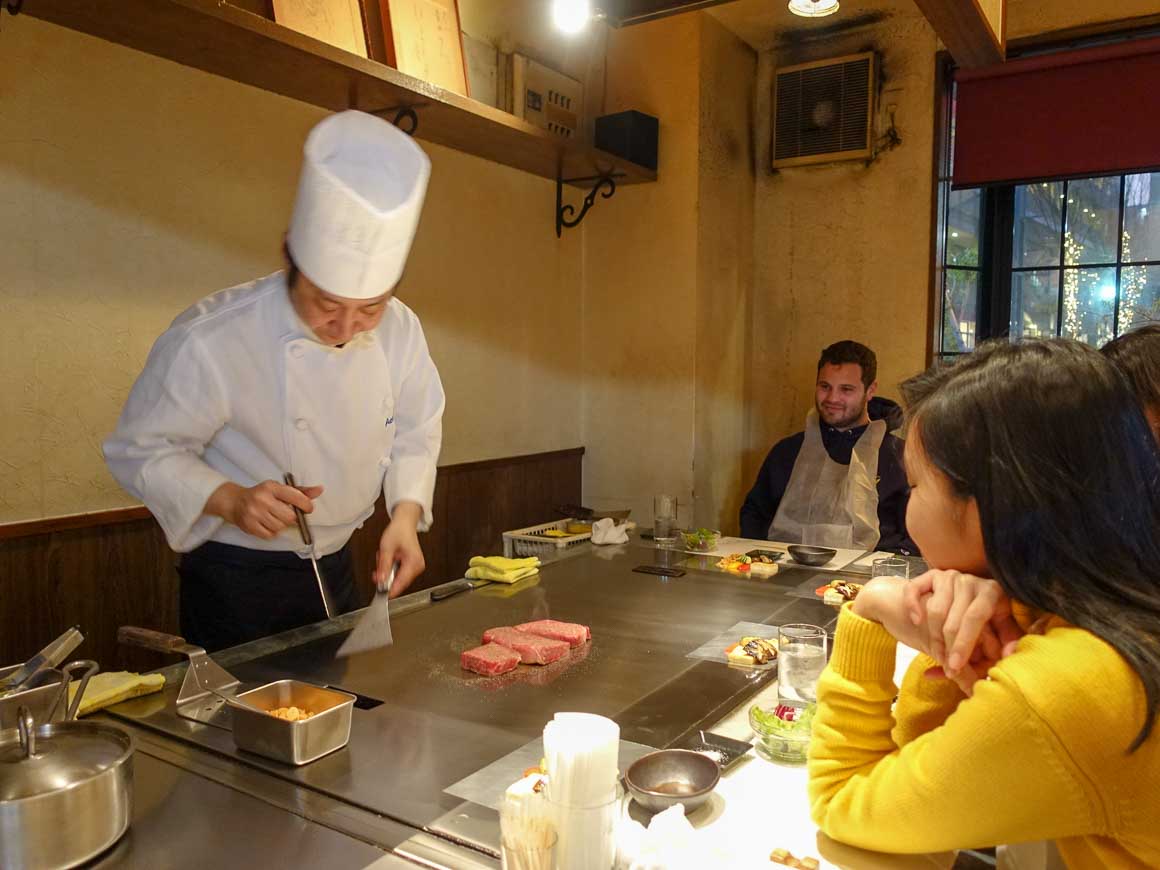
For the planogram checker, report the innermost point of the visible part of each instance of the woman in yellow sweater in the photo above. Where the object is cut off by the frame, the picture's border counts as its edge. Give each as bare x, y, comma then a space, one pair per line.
1032, 465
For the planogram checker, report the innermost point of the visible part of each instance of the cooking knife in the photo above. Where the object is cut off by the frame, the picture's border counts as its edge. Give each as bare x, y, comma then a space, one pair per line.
49, 657
308, 540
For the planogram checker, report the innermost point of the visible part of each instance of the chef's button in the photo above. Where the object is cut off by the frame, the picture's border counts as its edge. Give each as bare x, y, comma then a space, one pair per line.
297, 351
301, 425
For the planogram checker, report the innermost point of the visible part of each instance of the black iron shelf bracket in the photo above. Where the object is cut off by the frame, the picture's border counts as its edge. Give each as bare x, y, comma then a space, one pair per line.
605, 186
401, 113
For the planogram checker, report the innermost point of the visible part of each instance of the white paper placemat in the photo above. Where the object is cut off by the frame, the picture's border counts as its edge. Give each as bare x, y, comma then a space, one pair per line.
727, 546
714, 650
487, 786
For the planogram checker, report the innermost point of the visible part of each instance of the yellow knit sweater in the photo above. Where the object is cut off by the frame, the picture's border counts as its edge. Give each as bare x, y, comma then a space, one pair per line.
1039, 752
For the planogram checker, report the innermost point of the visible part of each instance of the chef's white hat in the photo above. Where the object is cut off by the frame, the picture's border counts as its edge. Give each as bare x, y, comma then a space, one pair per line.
359, 199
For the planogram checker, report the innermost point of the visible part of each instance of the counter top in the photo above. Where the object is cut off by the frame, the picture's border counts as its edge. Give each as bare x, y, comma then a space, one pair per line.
422, 723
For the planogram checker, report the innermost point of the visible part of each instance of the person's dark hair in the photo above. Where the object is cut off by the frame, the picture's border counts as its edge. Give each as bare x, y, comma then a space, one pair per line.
1137, 355
1048, 439
843, 352
292, 269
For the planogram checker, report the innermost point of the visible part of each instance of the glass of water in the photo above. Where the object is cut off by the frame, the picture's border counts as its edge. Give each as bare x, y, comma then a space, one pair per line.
664, 519
801, 657
893, 566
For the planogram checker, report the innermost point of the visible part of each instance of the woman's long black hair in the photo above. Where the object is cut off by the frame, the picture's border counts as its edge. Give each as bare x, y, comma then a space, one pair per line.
1051, 442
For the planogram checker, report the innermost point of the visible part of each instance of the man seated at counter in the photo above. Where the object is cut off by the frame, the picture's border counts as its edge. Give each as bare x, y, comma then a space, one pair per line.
1137, 355
840, 482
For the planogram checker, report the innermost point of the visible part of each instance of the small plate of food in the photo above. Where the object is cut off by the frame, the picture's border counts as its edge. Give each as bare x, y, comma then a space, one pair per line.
838, 592
747, 565
752, 651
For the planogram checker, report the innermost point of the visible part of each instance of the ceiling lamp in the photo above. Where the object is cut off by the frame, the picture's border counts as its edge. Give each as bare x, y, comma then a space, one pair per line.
813, 8
571, 16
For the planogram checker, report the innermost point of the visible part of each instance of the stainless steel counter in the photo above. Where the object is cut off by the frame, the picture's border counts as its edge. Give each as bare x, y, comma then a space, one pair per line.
437, 724
187, 812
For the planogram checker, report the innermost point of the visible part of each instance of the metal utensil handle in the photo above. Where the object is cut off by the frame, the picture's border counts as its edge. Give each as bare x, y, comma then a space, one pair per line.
27, 730
90, 668
146, 638
390, 578
299, 514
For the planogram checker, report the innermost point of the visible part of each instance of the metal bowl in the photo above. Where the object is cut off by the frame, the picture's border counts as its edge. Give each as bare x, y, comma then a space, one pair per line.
812, 556
672, 776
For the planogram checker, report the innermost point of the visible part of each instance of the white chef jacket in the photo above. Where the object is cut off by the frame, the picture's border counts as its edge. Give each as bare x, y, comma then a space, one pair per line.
238, 389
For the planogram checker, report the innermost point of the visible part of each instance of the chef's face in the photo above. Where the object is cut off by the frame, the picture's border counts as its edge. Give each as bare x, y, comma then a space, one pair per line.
945, 526
335, 320
841, 396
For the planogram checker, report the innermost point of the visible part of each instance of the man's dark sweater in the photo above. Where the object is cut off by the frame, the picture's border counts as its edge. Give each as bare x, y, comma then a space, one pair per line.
893, 492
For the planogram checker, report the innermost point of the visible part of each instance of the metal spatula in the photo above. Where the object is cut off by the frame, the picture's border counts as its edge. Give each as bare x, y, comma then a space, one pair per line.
373, 629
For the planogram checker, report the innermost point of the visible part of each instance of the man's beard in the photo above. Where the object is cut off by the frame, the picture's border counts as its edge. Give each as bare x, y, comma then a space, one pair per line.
848, 422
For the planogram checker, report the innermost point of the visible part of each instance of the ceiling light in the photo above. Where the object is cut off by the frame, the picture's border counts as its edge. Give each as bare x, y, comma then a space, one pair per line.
571, 16
813, 8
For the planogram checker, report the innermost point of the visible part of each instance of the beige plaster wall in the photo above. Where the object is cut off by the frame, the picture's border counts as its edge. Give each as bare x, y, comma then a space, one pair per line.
842, 250
724, 275
130, 187
640, 285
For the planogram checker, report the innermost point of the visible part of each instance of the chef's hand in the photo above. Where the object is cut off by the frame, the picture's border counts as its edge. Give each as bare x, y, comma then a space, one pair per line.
400, 543
968, 622
262, 510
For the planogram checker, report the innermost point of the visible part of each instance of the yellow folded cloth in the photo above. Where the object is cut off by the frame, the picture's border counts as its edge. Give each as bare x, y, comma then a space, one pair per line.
106, 689
507, 590
502, 563
501, 576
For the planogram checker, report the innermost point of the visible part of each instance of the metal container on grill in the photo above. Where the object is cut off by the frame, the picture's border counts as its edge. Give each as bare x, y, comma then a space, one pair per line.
66, 788
327, 729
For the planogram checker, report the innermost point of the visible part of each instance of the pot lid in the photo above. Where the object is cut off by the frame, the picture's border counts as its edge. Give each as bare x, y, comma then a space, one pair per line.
65, 755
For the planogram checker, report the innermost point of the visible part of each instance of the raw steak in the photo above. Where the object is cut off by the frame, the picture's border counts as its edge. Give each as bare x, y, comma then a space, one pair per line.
533, 649
570, 631
490, 659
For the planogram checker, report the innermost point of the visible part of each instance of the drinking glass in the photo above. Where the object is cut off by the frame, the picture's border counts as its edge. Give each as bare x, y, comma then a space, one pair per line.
525, 856
801, 656
587, 834
894, 566
664, 519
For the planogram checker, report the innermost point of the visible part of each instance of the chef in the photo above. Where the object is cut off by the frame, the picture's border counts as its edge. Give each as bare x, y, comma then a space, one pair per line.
316, 370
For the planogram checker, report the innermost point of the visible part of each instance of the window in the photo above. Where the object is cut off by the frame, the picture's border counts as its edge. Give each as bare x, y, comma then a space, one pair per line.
1074, 257
1085, 257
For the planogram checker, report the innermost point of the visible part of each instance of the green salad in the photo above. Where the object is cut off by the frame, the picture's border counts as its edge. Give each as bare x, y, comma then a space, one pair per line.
784, 720
701, 539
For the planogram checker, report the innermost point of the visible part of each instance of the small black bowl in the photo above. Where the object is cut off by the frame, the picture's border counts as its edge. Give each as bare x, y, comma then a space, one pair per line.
813, 556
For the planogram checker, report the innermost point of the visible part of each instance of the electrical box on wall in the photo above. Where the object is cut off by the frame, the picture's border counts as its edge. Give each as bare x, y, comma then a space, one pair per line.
824, 111
546, 98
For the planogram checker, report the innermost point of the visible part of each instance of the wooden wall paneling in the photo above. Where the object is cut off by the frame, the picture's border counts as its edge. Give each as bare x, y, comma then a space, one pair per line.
97, 578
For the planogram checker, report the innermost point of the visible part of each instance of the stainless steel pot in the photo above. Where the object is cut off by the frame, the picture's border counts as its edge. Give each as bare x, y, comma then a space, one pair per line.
66, 792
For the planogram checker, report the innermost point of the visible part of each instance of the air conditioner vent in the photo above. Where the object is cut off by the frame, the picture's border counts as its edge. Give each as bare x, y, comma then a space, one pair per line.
824, 111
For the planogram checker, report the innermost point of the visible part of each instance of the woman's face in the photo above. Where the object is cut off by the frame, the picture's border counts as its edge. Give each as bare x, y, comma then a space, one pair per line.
945, 527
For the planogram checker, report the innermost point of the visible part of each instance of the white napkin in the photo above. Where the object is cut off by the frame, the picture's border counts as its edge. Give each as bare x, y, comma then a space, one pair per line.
606, 531
669, 843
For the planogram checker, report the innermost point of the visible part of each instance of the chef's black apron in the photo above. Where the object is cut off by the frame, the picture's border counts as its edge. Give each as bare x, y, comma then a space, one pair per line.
231, 595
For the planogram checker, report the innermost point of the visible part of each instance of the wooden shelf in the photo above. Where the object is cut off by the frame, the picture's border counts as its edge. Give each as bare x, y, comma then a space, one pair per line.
231, 42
